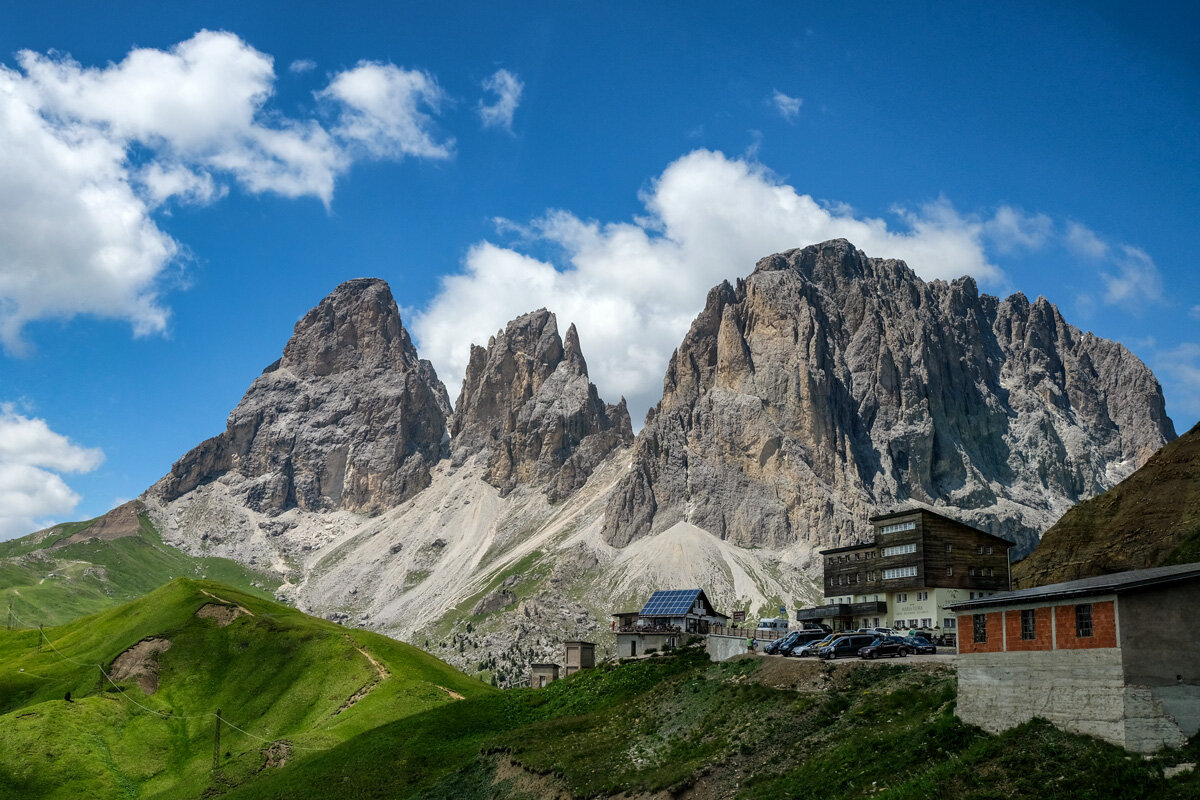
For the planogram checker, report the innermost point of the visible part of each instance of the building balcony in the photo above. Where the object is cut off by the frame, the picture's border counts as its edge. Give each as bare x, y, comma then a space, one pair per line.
836, 610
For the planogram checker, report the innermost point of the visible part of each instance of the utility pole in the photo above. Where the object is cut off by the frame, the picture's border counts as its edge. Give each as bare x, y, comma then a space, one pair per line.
40, 637
217, 744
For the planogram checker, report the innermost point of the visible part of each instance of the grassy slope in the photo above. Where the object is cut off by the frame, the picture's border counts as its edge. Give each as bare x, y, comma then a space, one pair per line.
277, 674
1150, 519
53, 586
677, 722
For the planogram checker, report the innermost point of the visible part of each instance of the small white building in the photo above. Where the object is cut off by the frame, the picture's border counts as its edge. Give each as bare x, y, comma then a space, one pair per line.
669, 617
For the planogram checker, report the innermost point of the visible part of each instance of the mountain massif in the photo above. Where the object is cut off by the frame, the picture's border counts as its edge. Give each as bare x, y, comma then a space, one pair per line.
825, 387
828, 386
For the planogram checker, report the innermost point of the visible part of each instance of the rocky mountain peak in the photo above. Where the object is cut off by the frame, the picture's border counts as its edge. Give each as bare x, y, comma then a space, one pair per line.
357, 326
528, 408
828, 386
349, 416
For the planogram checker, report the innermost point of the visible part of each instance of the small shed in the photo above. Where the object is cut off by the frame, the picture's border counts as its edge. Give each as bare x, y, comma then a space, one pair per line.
541, 674
578, 655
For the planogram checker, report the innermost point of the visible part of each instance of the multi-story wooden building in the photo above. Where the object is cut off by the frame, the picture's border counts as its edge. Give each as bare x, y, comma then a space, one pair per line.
916, 563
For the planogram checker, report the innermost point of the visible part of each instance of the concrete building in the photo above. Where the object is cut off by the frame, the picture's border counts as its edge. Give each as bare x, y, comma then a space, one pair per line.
1115, 656
577, 656
541, 674
915, 564
669, 617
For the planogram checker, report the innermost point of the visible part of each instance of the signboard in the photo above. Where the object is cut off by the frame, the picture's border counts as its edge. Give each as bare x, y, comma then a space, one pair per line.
739, 616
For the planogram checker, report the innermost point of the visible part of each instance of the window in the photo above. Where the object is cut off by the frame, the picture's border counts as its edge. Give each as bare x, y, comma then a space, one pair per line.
950, 623
899, 550
902, 597
899, 526
971, 571
989, 551
1083, 621
980, 624
922, 595
926, 622
979, 549
1028, 625
972, 595
949, 548
949, 571
899, 572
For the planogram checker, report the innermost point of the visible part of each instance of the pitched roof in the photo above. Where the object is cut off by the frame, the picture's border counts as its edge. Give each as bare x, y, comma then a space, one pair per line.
676, 603
1115, 583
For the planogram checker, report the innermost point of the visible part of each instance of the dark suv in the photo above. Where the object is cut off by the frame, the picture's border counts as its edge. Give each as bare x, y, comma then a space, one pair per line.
846, 646
886, 646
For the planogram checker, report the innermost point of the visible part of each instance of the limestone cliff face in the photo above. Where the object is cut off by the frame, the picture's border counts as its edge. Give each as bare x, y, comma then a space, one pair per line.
1150, 519
829, 386
528, 408
348, 418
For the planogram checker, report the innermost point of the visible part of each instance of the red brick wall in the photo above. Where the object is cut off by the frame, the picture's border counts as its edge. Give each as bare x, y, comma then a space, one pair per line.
1044, 640
1104, 629
995, 634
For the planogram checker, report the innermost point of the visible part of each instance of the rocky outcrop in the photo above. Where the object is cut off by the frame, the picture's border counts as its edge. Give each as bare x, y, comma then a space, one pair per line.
1150, 519
528, 409
348, 418
829, 386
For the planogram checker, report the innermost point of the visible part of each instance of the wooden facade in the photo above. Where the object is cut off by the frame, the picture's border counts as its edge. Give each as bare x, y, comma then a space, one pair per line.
924, 549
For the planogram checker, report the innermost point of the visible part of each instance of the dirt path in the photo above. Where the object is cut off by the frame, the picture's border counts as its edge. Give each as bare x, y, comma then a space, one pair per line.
383, 673
369, 686
455, 695
243, 609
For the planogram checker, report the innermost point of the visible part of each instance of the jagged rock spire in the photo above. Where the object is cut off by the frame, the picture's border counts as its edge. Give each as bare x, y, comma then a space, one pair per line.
528, 408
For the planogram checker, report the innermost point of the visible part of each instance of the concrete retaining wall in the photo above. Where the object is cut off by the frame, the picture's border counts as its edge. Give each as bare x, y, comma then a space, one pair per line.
722, 648
1077, 690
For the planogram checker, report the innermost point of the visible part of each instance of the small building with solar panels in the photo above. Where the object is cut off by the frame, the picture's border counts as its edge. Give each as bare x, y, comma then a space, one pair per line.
666, 621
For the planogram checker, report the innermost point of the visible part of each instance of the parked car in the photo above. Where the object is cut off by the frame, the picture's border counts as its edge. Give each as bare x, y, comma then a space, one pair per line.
920, 645
886, 646
773, 647
804, 638
811, 648
845, 646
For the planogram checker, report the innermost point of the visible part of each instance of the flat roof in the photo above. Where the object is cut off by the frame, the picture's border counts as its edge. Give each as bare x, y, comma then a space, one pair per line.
537, 666
1114, 583
579, 641
848, 547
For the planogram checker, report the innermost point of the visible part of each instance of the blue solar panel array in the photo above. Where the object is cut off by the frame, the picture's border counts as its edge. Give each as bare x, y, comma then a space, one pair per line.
670, 603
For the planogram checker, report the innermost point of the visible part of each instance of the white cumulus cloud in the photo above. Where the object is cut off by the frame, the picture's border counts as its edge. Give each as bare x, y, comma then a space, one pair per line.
788, 107
1136, 281
633, 288
507, 87
31, 456
87, 154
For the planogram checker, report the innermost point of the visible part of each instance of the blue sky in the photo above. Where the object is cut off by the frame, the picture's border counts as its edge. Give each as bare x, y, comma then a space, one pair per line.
181, 182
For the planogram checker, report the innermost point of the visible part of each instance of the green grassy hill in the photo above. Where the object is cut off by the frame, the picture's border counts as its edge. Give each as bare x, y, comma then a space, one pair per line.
327, 712
679, 726
293, 684
79, 568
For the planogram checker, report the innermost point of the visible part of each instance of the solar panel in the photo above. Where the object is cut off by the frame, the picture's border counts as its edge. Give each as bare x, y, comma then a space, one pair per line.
670, 602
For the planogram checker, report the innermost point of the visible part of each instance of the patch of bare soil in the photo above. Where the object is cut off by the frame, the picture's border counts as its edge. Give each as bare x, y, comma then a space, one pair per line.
520, 782
140, 662
455, 695
120, 522
222, 615
277, 754
813, 674
242, 609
